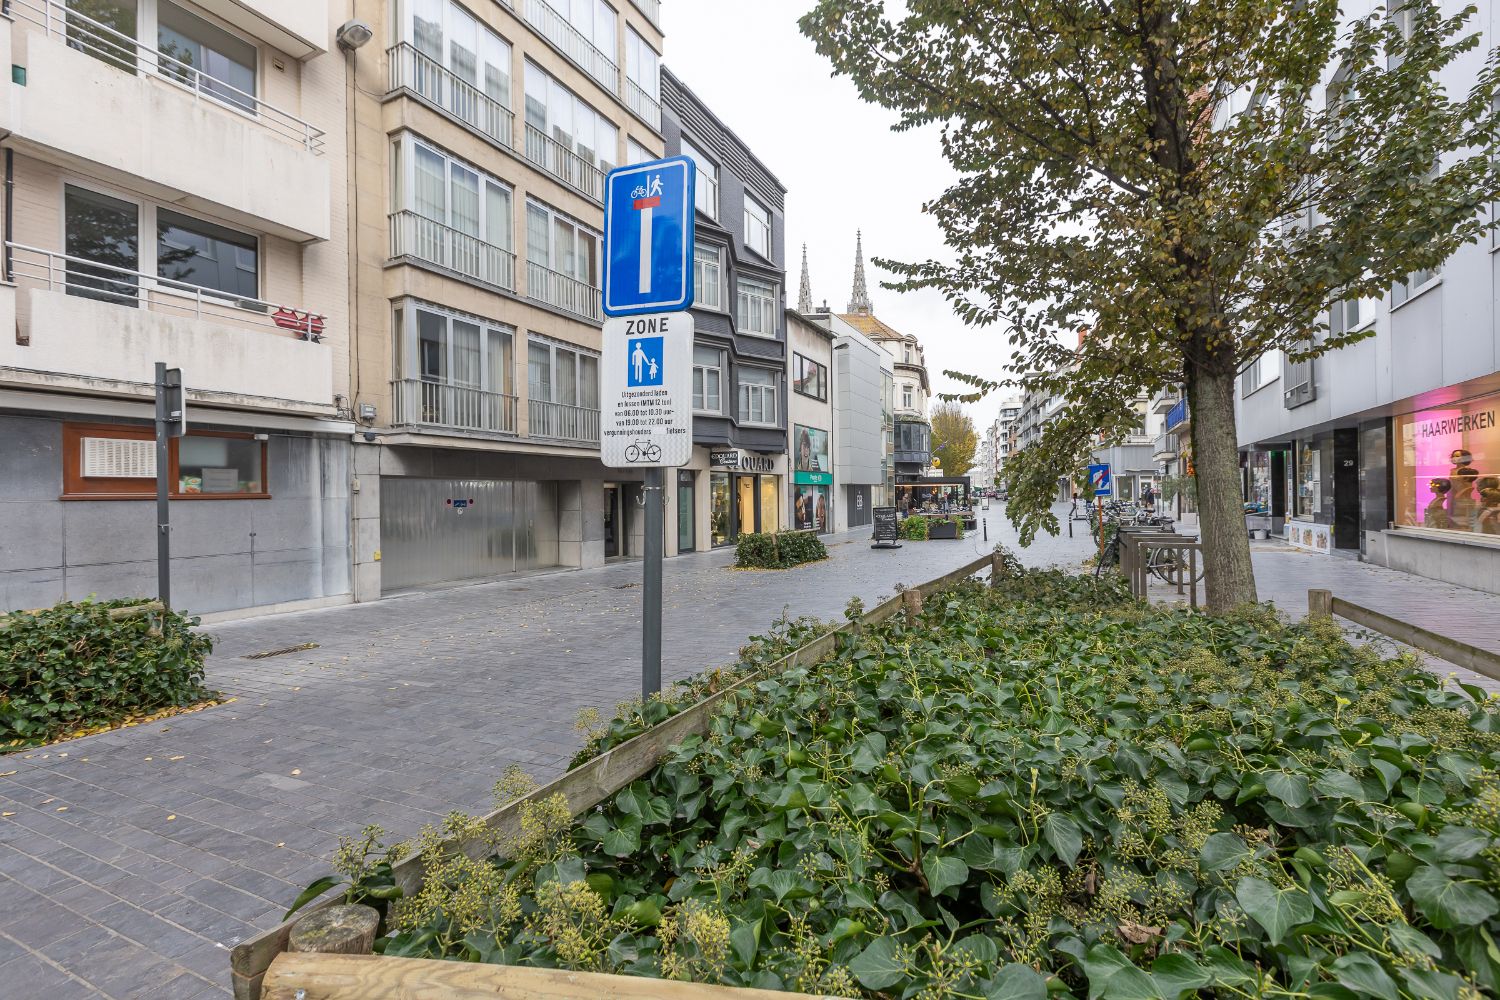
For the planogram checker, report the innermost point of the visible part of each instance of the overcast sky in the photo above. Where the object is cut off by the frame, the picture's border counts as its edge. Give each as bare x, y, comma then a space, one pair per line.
843, 168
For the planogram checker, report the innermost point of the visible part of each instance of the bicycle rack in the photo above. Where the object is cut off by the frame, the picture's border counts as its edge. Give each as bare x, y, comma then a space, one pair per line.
1135, 546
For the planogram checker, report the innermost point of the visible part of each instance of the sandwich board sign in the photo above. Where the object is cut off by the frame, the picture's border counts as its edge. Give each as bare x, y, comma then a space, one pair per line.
648, 237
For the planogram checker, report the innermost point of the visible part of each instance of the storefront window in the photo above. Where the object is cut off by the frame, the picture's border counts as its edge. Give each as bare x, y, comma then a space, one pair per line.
1309, 498
768, 505
718, 516
1260, 480
745, 501
810, 509
1448, 467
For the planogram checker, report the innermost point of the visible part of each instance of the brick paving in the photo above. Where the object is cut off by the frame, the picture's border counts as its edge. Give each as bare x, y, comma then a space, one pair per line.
132, 861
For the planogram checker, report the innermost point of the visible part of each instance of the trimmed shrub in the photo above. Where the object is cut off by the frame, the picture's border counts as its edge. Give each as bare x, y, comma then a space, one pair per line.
73, 667
914, 528
778, 551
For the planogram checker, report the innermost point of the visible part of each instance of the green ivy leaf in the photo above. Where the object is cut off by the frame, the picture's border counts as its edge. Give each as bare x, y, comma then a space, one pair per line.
744, 938
1364, 975
1178, 974
1112, 976
1064, 836
943, 871
878, 965
1017, 982
1276, 910
1459, 843
1224, 852
624, 839
1292, 789
1448, 903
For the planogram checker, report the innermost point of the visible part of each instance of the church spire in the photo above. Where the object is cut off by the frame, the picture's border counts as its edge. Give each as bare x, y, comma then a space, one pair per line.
804, 294
859, 302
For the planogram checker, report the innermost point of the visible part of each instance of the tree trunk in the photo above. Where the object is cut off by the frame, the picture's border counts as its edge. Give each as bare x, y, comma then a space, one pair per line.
1229, 578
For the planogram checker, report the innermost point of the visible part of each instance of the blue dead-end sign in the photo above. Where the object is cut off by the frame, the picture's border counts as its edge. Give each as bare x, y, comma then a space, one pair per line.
648, 237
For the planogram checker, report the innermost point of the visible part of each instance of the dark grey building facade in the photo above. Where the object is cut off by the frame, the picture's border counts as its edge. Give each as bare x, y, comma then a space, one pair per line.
737, 480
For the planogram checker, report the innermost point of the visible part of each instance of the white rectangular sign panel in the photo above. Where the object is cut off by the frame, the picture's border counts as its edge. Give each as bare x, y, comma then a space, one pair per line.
646, 391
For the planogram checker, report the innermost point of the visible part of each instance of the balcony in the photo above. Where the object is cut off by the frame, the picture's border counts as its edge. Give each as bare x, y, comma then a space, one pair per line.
104, 326
453, 407
643, 105
1165, 449
426, 79
652, 10
1164, 400
564, 164
418, 238
135, 113
569, 294
297, 27
1178, 415
556, 29
562, 422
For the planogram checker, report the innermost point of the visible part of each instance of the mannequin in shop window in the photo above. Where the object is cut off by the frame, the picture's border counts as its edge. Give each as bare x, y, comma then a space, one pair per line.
1436, 514
1489, 512
1464, 507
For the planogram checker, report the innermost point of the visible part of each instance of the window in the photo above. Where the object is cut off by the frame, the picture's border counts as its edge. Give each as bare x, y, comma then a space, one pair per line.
757, 396
757, 307
906, 353
809, 378
906, 397
556, 242
116, 45
642, 64
118, 462
1447, 466
1415, 282
559, 374
456, 41
1261, 372
708, 276
553, 111
445, 190
452, 348
757, 227
205, 57
636, 153
706, 191
1309, 482
106, 232
708, 380
595, 20
200, 253
1348, 315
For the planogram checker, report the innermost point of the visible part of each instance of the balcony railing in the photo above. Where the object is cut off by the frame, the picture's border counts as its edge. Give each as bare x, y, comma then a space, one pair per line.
562, 291
427, 78
458, 407
564, 164
563, 422
138, 290
1178, 414
421, 238
556, 29
104, 43
652, 10
643, 104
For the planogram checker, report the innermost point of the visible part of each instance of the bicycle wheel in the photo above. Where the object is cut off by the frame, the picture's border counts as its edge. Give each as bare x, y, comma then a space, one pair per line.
632, 454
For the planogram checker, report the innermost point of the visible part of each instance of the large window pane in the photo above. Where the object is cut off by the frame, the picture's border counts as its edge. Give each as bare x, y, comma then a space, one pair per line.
201, 253
708, 277
427, 28
706, 191
757, 307
464, 207
432, 345
567, 378
465, 353
206, 57
499, 361
537, 244
588, 381
539, 371
219, 465
497, 214
106, 231
112, 35
430, 183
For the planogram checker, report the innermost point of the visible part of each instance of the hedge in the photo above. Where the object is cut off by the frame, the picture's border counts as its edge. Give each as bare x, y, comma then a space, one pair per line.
72, 667
763, 550
914, 528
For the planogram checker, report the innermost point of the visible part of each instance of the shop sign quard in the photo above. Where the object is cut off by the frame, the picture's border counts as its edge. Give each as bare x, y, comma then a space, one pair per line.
742, 460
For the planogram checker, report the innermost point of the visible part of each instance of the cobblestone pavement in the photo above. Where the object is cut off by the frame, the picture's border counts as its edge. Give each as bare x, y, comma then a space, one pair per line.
130, 862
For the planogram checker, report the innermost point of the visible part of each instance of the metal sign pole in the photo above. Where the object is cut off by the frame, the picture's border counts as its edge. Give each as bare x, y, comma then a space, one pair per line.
656, 502
163, 471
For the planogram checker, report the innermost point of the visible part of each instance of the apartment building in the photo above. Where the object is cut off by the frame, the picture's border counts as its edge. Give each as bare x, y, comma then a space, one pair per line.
175, 174
913, 431
482, 135
1389, 449
737, 479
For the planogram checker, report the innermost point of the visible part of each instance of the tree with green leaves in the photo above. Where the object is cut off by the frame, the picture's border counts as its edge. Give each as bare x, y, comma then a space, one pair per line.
954, 439
1192, 183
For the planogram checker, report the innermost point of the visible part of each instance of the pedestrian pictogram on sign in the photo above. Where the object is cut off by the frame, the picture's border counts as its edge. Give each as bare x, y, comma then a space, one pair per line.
646, 364
648, 237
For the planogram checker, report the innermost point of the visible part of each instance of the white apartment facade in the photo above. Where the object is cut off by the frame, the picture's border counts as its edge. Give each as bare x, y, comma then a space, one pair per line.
175, 192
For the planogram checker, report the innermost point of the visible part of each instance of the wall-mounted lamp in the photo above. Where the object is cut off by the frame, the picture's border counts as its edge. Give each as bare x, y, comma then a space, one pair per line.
352, 34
